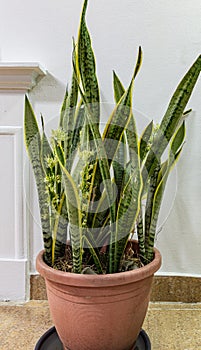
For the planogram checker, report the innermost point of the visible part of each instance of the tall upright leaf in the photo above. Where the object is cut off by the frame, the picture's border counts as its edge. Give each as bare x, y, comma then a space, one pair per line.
128, 210
74, 213
33, 144
57, 206
173, 116
87, 66
174, 153
68, 119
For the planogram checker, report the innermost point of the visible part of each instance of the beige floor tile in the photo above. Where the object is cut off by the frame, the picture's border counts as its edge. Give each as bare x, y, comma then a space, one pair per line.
170, 326
174, 326
22, 325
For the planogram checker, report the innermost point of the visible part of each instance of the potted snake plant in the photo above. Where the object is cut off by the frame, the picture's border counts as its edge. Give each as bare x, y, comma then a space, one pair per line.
96, 190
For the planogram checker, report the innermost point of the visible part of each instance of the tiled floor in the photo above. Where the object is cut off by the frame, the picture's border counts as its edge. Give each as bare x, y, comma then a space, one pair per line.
171, 326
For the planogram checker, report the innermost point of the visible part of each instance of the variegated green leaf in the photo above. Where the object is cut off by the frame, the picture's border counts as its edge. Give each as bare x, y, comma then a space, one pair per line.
69, 117
91, 244
63, 108
138, 63
117, 87
102, 156
74, 214
57, 209
140, 233
145, 139
87, 66
155, 212
117, 123
128, 210
177, 141
119, 165
79, 123
121, 118
33, 144
102, 211
152, 186
174, 153
173, 116
129, 206
46, 151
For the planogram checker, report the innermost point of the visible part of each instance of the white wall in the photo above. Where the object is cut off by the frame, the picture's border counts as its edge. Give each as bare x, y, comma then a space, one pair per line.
170, 35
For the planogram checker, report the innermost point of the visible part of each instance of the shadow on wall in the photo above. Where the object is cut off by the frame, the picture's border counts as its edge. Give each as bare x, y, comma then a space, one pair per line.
49, 89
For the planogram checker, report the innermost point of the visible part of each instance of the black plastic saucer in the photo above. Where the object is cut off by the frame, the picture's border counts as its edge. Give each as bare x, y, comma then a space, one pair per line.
51, 341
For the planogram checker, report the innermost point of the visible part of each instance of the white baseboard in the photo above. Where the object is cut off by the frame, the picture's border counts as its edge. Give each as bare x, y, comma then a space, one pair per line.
13, 280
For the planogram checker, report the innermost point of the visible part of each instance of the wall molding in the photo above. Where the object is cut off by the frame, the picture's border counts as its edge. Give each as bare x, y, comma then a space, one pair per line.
16, 79
20, 76
15, 135
13, 252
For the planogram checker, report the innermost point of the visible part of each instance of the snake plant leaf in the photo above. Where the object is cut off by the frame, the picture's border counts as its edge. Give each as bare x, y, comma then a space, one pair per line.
144, 224
140, 233
173, 116
63, 108
58, 211
33, 144
69, 116
104, 168
122, 113
130, 201
87, 66
117, 123
31, 129
46, 150
177, 141
101, 211
179, 100
106, 179
59, 223
134, 152
138, 63
74, 213
155, 211
176, 146
91, 243
128, 207
102, 161
117, 87
145, 139
133, 147
152, 186
128, 210
101, 208
101, 152
58, 216
119, 165
119, 91
79, 123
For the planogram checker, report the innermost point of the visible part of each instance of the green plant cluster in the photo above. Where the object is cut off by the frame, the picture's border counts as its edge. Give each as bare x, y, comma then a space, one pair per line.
100, 188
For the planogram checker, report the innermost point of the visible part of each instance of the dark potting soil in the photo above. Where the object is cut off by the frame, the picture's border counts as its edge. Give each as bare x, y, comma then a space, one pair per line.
130, 261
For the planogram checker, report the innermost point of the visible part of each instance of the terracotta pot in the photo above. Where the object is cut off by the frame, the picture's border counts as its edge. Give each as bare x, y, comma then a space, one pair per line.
102, 312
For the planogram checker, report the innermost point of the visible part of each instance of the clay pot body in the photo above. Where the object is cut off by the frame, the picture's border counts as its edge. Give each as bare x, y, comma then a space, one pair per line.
102, 312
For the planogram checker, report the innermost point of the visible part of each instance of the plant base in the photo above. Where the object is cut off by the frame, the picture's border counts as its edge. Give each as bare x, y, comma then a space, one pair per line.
51, 341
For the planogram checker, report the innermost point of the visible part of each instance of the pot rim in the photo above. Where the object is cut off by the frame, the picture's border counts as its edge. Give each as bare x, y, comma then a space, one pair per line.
94, 281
